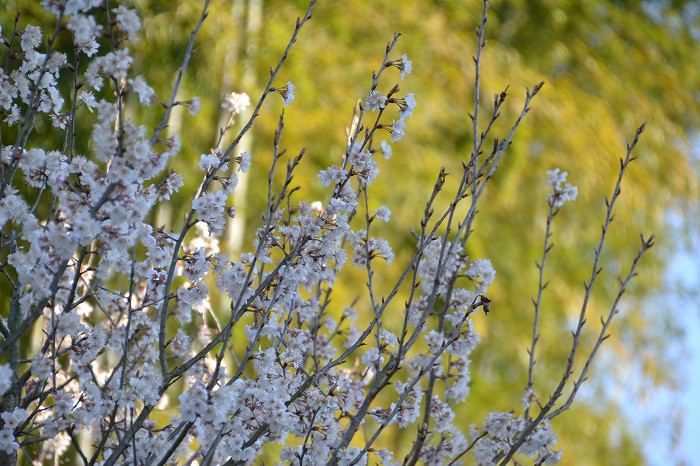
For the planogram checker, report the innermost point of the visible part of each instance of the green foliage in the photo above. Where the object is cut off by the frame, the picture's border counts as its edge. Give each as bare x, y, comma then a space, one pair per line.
608, 66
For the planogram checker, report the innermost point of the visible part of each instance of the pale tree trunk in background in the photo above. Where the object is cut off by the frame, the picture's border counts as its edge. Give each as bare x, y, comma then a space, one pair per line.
246, 18
164, 211
236, 229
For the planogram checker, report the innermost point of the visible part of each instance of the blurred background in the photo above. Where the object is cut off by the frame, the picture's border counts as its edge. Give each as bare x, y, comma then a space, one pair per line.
608, 65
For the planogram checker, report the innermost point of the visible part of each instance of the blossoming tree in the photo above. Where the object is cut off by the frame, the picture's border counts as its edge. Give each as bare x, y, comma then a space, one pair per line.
107, 323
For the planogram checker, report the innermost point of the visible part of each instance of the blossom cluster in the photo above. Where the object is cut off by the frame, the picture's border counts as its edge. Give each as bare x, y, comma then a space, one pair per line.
562, 192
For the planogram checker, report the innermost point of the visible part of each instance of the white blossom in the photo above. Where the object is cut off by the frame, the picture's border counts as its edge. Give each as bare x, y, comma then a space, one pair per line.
195, 106
14, 116
288, 93
7, 441
375, 101
332, 175
398, 130
142, 89
406, 66
236, 103
410, 106
482, 268
85, 32
371, 357
208, 161
560, 195
383, 213
386, 149
12, 419
88, 98
244, 166
128, 21
30, 39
